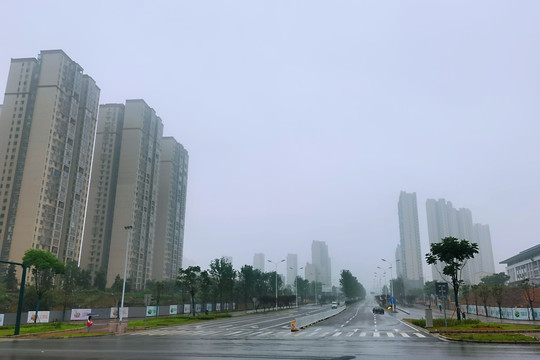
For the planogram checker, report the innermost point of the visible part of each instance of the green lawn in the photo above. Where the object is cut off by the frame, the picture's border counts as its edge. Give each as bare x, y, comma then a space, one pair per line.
471, 325
492, 337
8, 330
169, 321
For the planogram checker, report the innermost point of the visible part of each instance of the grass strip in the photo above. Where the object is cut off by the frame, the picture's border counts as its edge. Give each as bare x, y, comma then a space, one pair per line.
492, 337
471, 325
26, 329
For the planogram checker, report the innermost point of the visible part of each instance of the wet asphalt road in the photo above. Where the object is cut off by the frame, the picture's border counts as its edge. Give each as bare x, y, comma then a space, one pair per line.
356, 333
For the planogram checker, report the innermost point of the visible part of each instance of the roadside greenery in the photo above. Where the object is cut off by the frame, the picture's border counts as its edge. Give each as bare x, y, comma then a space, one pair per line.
38, 328
61, 287
177, 320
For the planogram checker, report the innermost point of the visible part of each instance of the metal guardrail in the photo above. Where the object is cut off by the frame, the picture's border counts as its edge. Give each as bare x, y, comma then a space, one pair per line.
305, 321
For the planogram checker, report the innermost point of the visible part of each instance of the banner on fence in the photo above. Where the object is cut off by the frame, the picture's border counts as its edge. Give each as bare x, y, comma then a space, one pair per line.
505, 313
151, 310
114, 313
198, 308
1, 319
80, 314
209, 307
187, 308
43, 317
173, 309
218, 306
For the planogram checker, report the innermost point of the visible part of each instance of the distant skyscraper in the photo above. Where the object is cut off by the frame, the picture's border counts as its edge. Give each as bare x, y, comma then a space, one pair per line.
47, 130
321, 262
136, 193
171, 210
292, 268
445, 221
258, 261
410, 264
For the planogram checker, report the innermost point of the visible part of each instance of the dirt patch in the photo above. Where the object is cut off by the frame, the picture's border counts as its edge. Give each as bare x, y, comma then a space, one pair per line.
483, 327
535, 335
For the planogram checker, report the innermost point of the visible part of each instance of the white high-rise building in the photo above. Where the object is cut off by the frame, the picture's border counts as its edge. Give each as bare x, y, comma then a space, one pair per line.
321, 262
136, 194
171, 210
292, 268
410, 259
258, 262
47, 128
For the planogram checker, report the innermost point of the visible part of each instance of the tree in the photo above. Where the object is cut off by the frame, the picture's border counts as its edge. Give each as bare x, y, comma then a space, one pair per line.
190, 279
11, 278
44, 266
223, 275
246, 283
465, 292
454, 254
100, 279
495, 279
483, 293
350, 286
117, 285
528, 291
69, 282
160, 285
498, 291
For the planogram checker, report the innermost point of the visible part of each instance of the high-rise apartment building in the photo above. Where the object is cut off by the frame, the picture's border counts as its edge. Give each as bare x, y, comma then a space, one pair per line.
258, 262
136, 194
410, 259
292, 268
444, 221
102, 196
321, 262
171, 210
47, 130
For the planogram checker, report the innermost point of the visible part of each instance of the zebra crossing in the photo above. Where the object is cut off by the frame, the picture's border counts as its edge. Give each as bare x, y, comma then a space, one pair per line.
280, 333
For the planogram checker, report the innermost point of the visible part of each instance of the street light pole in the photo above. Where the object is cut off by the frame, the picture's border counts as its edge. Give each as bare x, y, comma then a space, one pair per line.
128, 228
392, 283
276, 264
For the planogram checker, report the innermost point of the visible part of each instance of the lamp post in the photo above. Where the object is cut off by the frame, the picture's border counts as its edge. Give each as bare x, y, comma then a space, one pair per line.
128, 228
296, 283
392, 283
276, 264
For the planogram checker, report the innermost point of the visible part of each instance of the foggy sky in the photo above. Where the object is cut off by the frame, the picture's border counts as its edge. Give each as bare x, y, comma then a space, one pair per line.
305, 119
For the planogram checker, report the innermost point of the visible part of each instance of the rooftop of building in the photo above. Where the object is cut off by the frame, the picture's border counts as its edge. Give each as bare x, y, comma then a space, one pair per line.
522, 256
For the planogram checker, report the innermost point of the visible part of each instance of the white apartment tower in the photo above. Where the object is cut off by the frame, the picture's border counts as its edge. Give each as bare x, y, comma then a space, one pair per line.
101, 204
258, 262
47, 130
136, 194
292, 268
171, 210
321, 262
410, 259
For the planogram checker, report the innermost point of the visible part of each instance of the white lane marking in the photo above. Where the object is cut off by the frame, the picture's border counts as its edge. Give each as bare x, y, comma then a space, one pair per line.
313, 333
337, 334
396, 330
350, 334
362, 334
317, 329
326, 333
265, 333
419, 335
376, 334
298, 333
236, 332
257, 333
405, 335
355, 330
390, 334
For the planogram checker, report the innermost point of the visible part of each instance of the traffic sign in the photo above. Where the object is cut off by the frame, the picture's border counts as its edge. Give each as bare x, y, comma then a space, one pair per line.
442, 289
392, 300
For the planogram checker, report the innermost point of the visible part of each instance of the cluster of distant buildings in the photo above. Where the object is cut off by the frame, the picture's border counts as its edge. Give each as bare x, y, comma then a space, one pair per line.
318, 270
443, 221
57, 188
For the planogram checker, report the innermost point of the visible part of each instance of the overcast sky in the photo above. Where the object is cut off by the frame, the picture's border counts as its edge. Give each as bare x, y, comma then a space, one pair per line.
305, 119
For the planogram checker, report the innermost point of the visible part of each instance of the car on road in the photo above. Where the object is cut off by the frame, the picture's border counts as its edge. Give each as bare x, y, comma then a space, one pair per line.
334, 304
378, 310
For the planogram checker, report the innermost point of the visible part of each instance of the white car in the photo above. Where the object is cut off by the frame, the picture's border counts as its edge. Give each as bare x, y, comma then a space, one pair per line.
334, 304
